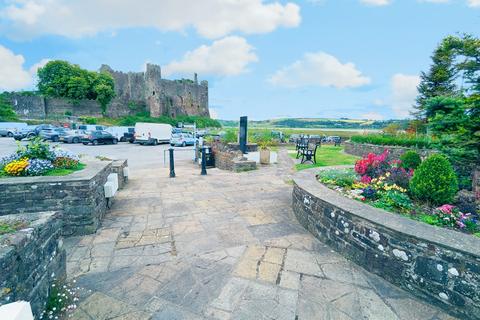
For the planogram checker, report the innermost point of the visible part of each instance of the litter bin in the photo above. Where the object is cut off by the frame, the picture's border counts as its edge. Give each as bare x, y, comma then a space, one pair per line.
209, 157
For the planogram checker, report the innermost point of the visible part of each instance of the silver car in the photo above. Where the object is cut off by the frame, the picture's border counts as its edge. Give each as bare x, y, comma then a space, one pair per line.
182, 140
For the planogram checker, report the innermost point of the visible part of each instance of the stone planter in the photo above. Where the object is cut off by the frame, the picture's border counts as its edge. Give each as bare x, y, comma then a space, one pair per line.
264, 156
438, 265
31, 259
79, 196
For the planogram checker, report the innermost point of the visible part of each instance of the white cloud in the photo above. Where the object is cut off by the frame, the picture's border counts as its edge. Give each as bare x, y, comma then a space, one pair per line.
225, 57
474, 3
372, 116
319, 69
404, 92
210, 18
376, 2
13, 76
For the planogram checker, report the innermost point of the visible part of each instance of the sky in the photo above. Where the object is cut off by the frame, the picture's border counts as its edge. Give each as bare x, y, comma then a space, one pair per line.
264, 59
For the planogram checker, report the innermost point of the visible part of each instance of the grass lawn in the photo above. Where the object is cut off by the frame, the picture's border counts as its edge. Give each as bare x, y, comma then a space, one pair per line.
327, 156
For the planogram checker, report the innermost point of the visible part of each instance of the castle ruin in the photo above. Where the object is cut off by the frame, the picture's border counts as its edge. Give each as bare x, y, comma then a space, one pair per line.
135, 92
161, 97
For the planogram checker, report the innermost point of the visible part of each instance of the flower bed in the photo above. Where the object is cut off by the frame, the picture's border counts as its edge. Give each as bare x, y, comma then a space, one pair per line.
421, 191
39, 159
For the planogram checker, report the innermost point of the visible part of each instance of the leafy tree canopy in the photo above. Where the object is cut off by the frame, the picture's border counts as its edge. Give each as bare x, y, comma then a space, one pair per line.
6, 110
61, 79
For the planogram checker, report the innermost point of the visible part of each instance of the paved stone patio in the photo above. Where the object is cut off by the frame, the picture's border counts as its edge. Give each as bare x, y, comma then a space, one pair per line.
221, 246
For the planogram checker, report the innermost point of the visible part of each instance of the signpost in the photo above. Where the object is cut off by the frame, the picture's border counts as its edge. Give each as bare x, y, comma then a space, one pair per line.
242, 137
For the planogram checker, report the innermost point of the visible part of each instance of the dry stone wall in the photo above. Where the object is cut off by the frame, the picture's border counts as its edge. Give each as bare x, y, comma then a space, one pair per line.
438, 265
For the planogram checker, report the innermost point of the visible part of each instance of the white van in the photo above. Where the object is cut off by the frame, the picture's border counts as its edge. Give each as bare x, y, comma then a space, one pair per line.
7, 129
91, 127
118, 132
152, 133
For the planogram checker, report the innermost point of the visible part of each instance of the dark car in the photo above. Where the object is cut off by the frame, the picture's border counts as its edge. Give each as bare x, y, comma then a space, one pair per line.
99, 137
52, 134
129, 136
72, 136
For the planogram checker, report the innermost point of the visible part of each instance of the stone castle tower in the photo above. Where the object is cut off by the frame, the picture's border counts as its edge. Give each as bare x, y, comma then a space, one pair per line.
160, 97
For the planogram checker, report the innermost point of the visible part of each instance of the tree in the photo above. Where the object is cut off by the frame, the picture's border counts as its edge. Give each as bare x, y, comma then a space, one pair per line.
439, 80
6, 110
62, 79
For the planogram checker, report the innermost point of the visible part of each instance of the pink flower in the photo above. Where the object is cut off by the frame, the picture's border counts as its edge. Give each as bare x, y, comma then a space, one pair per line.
446, 208
365, 179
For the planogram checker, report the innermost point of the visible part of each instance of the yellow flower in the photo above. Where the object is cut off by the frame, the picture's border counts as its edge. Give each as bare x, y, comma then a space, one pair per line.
16, 167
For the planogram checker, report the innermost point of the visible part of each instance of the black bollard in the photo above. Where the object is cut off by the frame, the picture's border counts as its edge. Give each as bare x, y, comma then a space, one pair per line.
204, 162
172, 165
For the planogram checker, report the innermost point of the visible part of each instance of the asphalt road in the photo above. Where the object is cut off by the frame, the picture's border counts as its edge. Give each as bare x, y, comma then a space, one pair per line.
139, 157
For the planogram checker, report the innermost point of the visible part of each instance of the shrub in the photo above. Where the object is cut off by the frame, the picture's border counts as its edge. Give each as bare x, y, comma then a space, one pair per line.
398, 140
230, 137
434, 180
410, 160
36, 149
372, 166
394, 200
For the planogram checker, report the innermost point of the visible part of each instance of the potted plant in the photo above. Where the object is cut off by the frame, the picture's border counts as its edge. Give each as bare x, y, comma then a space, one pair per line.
264, 142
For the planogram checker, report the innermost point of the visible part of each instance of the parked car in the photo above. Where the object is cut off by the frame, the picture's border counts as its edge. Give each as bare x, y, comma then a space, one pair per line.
119, 132
8, 129
294, 138
72, 136
52, 134
99, 137
152, 133
41, 127
130, 135
27, 132
182, 140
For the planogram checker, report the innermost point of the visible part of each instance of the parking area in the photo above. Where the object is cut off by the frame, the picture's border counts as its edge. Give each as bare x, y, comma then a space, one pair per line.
139, 157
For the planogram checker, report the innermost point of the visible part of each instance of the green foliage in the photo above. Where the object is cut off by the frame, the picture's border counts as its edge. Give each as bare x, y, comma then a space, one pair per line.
202, 122
342, 178
264, 140
394, 201
434, 181
6, 110
328, 155
64, 172
36, 149
61, 79
12, 226
230, 136
410, 160
89, 120
404, 140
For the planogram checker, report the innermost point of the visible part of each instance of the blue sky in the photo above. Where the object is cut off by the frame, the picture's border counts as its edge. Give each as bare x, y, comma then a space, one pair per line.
264, 59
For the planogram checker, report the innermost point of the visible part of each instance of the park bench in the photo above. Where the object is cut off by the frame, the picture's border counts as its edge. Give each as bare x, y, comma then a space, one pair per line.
301, 145
309, 154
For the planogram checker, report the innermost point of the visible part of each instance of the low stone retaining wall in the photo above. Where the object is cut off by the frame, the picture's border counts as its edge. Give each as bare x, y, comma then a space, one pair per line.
251, 147
31, 260
440, 266
362, 149
80, 196
118, 167
232, 160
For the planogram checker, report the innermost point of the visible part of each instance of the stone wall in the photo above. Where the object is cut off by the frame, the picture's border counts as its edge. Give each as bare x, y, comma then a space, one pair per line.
231, 160
37, 107
80, 196
31, 260
440, 266
135, 92
362, 149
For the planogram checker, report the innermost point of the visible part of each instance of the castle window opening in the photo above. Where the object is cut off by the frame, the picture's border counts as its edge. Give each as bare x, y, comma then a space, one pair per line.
153, 93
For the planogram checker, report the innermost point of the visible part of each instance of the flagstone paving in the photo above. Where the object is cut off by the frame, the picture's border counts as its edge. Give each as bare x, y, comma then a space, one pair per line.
221, 246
